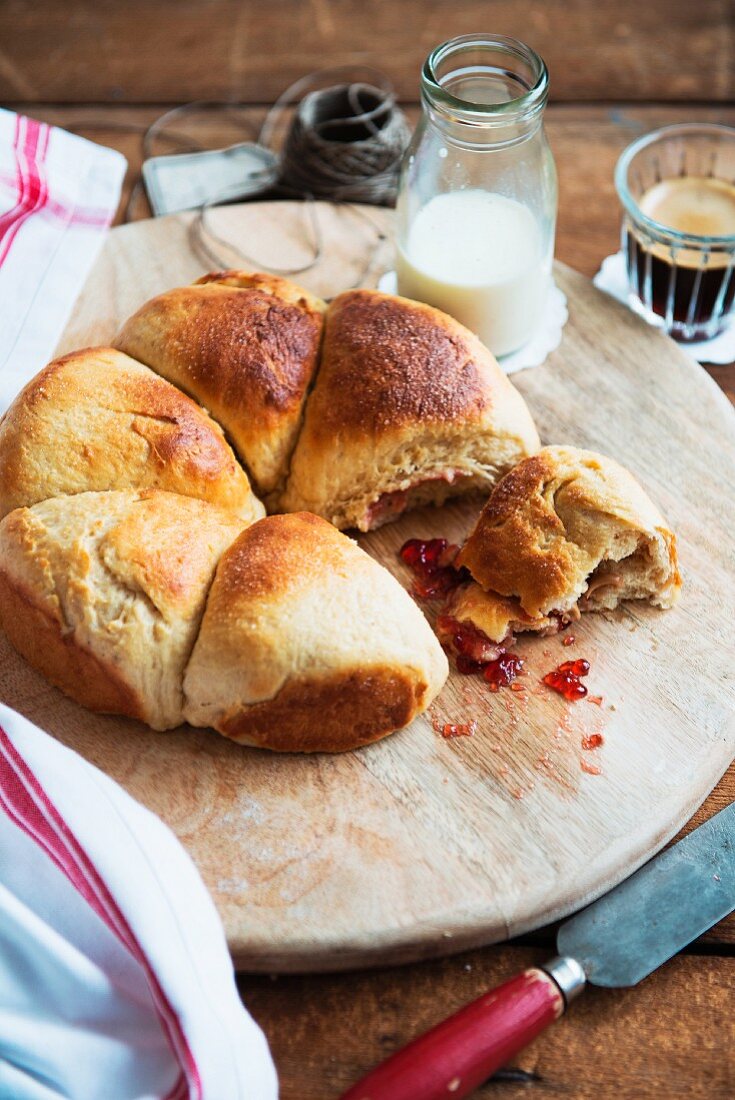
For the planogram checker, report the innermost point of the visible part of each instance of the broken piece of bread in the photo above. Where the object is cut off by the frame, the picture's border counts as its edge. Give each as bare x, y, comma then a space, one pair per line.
565, 531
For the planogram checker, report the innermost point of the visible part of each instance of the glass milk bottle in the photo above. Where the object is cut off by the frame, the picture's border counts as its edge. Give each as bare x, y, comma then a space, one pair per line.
477, 196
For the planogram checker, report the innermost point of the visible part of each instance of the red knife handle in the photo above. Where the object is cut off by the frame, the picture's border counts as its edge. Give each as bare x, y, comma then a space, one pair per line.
459, 1054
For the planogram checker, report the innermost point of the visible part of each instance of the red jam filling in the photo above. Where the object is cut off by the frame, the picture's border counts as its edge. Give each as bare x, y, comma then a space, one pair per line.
566, 679
503, 670
475, 653
387, 507
473, 649
430, 561
391, 505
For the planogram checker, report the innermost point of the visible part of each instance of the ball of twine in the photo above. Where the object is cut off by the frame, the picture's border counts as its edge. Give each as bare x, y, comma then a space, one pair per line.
345, 144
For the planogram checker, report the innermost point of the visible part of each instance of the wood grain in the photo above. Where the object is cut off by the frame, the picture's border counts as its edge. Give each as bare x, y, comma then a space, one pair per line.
670, 1038
170, 51
329, 862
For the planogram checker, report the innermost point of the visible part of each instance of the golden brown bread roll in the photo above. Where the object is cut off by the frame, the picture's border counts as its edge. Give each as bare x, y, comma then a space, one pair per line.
244, 346
103, 593
408, 408
308, 644
565, 531
96, 420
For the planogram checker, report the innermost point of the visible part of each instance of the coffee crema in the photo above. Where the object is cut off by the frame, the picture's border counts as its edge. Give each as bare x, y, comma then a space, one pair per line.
697, 205
692, 288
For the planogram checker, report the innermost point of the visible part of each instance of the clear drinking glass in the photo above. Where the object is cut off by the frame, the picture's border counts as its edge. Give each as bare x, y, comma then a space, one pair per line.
476, 208
682, 282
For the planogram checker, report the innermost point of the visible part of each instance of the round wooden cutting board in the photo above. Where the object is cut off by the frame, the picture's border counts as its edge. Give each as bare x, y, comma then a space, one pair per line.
420, 845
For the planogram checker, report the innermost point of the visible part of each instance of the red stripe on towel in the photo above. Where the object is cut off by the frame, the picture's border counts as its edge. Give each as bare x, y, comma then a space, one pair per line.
30, 808
30, 152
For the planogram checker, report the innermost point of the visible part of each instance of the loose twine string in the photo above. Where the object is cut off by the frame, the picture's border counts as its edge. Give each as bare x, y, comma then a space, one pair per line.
344, 145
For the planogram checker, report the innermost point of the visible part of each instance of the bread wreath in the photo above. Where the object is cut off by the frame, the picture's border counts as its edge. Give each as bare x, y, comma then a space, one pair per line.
136, 574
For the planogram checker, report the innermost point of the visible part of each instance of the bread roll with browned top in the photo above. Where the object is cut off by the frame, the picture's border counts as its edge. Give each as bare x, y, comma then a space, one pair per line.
308, 644
244, 346
408, 408
96, 420
104, 592
565, 531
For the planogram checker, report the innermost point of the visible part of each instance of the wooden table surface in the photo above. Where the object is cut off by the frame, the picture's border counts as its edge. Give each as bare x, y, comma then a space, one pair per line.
617, 70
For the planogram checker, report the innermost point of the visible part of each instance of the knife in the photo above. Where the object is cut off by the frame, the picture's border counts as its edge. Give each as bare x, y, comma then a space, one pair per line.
617, 941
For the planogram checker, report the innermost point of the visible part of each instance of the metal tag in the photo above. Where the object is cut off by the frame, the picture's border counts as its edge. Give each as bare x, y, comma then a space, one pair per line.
187, 181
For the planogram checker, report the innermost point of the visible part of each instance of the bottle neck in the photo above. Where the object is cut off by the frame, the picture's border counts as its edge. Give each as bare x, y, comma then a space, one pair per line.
478, 134
482, 91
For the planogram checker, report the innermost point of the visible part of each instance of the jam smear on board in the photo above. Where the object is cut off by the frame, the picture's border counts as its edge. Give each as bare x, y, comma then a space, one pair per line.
430, 561
568, 639
460, 729
592, 741
566, 679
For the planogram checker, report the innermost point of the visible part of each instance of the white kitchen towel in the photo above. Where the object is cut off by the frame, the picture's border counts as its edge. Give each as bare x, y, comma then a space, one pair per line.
115, 980
58, 195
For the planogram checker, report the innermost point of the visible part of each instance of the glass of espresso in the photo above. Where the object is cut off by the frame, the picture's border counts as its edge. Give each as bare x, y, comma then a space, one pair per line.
677, 187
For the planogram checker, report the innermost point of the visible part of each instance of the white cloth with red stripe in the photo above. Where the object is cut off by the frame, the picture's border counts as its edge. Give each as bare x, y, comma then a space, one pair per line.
58, 195
115, 979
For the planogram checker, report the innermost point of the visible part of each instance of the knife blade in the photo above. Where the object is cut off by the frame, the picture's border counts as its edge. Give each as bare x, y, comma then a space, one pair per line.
617, 941
665, 905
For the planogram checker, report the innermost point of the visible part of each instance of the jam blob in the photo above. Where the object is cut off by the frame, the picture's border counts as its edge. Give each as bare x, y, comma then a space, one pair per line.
473, 650
475, 653
430, 561
577, 668
503, 670
566, 679
592, 741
